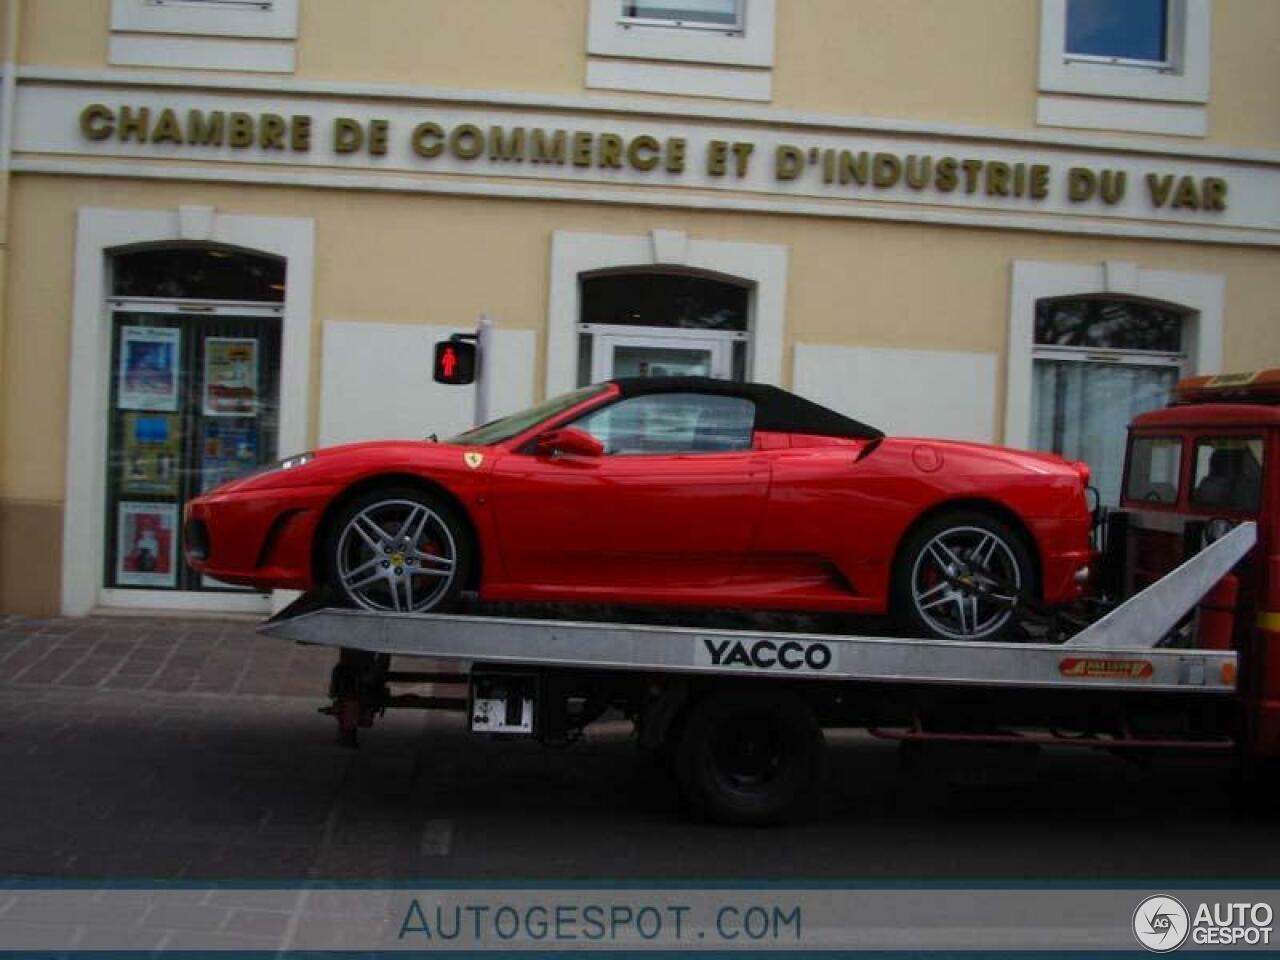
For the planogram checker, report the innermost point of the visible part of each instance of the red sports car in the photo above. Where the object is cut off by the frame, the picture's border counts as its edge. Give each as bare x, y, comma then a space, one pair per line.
672, 492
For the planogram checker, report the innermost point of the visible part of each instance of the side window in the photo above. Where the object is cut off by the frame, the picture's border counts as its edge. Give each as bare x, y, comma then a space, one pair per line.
1154, 465
673, 423
1228, 473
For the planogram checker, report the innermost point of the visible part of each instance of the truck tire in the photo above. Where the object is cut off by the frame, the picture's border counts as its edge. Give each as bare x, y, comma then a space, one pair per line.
749, 759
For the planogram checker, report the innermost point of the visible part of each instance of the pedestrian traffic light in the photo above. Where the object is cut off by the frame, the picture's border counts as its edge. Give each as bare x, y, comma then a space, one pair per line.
455, 362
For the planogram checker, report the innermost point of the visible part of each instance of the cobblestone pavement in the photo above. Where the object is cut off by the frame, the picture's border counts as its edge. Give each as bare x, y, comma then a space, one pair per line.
166, 655
191, 750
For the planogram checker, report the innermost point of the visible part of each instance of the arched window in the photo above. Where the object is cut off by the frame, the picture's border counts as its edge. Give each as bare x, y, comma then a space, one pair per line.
645, 324
198, 273
1099, 361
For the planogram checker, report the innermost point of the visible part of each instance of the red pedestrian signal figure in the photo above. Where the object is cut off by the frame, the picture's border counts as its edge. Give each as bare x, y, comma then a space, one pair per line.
455, 362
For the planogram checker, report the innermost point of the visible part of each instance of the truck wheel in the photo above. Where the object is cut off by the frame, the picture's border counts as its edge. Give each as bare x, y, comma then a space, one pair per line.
749, 759
961, 576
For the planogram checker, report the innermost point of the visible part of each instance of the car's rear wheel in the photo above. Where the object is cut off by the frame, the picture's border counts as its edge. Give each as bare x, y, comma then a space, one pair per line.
962, 575
397, 549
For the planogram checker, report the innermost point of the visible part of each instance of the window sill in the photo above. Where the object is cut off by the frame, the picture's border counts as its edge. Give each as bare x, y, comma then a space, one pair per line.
201, 53
1097, 79
687, 80
1124, 116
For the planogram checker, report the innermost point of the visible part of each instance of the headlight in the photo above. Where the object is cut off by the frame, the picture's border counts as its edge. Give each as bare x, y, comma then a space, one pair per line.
291, 463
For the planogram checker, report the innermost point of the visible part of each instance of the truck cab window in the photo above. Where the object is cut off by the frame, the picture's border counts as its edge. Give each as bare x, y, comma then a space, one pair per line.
1154, 466
1228, 473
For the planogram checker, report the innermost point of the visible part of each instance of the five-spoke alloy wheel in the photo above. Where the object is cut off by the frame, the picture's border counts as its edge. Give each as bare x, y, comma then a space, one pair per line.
401, 550
962, 576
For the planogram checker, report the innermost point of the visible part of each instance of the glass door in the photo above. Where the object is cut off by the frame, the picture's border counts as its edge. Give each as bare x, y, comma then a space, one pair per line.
1081, 410
632, 355
194, 402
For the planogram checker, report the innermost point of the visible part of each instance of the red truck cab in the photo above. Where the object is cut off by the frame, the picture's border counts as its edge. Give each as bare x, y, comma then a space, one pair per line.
1205, 462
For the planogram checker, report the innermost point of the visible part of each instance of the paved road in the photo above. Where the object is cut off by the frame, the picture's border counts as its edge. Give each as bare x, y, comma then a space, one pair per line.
191, 749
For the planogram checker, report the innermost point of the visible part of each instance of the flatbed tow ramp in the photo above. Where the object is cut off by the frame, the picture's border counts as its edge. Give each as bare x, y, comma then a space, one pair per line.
737, 715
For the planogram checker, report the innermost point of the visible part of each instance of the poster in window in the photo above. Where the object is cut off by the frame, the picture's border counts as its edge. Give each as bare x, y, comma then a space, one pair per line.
229, 449
146, 545
149, 368
151, 454
230, 377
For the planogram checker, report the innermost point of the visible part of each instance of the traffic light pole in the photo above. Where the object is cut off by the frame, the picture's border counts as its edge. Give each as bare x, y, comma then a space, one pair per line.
484, 340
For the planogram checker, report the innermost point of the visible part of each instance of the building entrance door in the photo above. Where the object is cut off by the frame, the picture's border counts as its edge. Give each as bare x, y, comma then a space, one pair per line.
193, 403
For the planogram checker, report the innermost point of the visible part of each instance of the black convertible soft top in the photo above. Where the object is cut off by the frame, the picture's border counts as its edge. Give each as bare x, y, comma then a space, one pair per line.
776, 409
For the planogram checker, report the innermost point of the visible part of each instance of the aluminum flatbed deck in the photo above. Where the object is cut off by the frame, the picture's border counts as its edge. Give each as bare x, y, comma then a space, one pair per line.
1097, 658
618, 646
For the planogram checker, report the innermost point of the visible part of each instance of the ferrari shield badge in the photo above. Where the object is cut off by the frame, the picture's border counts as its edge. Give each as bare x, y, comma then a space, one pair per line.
473, 459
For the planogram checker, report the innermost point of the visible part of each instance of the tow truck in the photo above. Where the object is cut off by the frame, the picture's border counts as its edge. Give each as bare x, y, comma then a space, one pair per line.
1176, 649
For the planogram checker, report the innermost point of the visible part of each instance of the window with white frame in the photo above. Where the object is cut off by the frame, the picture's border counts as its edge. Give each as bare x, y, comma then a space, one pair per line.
690, 14
701, 48
1097, 363
247, 35
251, 4
1099, 53
1131, 33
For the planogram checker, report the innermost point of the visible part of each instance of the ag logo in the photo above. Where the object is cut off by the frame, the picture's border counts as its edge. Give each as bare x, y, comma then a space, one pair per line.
473, 459
1161, 923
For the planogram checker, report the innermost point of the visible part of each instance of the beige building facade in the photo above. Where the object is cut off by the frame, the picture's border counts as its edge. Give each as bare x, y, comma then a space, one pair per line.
233, 231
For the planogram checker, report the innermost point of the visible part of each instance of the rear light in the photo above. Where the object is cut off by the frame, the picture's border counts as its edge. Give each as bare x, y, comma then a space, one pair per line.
1083, 471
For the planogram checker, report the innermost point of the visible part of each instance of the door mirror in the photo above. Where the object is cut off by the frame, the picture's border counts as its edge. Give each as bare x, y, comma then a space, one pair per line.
569, 440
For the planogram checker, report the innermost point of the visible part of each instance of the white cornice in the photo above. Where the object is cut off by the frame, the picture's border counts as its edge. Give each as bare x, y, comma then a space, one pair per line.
329, 179
765, 116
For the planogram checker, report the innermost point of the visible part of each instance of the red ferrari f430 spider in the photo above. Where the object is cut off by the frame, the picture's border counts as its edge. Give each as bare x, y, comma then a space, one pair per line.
674, 492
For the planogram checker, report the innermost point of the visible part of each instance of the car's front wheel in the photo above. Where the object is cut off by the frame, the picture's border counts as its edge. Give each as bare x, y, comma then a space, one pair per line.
397, 549
962, 576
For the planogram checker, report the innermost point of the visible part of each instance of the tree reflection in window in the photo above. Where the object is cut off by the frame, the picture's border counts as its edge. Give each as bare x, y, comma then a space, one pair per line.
198, 273
664, 300
1107, 325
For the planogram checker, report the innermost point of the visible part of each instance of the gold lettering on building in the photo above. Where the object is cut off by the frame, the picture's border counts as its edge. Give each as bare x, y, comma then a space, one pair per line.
348, 135
857, 171
503, 147
548, 148
428, 139
205, 131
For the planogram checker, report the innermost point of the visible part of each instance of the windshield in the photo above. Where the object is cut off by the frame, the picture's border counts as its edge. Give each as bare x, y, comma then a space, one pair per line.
496, 431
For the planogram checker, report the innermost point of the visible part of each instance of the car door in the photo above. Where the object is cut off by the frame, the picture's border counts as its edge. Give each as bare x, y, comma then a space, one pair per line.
671, 505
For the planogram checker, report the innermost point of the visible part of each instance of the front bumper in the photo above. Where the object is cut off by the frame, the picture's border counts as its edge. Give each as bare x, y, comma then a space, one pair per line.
256, 538
1065, 551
